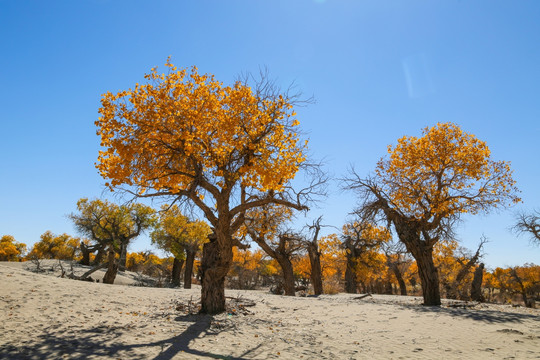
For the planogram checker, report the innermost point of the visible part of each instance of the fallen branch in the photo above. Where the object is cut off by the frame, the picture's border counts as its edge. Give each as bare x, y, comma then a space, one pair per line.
84, 276
362, 296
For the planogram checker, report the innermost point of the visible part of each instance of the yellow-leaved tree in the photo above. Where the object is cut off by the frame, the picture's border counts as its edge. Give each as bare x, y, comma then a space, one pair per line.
225, 149
112, 227
361, 240
182, 237
266, 226
426, 184
10, 249
51, 246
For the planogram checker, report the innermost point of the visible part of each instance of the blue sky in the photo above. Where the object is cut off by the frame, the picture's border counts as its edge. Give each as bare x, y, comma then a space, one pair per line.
377, 69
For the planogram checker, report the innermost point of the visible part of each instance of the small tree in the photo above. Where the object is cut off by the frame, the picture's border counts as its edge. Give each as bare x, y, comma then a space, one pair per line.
361, 240
225, 149
181, 237
11, 250
426, 184
397, 261
113, 227
265, 227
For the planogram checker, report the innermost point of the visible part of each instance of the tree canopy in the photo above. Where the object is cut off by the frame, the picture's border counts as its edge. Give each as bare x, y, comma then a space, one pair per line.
10, 249
427, 183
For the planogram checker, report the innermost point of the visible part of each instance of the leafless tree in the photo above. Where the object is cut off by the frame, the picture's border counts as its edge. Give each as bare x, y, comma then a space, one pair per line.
529, 224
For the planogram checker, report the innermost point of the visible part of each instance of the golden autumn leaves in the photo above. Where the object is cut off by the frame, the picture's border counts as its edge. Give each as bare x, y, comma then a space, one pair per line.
164, 134
446, 171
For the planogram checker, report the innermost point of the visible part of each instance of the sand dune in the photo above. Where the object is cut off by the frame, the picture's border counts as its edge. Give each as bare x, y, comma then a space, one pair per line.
46, 317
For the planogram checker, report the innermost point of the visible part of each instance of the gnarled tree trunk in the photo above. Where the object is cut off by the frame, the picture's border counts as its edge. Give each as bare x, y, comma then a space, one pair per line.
215, 264
429, 276
112, 268
85, 254
288, 274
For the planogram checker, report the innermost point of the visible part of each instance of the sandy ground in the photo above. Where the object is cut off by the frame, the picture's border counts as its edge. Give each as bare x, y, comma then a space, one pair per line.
47, 317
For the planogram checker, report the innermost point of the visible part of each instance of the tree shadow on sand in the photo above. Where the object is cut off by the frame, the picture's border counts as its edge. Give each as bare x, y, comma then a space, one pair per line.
103, 341
483, 315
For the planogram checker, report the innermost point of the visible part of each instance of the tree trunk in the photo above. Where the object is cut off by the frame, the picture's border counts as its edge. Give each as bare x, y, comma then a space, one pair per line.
215, 264
399, 277
529, 302
123, 256
112, 268
85, 254
316, 274
176, 271
350, 276
99, 256
288, 274
190, 258
476, 286
429, 276
388, 287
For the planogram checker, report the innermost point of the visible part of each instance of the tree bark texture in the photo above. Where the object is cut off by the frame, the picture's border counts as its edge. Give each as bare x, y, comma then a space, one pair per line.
429, 276
422, 251
288, 274
112, 268
350, 275
215, 264
176, 271
316, 273
188, 272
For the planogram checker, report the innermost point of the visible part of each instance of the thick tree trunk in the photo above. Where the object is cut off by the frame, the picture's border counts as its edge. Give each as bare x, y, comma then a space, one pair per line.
399, 277
429, 276
288, 274
350, 276
85, 254
476, 286
215, 264
176, 271
316, 273
188, 272
112, 268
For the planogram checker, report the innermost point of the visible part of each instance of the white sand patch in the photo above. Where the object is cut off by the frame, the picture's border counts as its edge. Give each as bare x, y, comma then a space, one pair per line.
46, 317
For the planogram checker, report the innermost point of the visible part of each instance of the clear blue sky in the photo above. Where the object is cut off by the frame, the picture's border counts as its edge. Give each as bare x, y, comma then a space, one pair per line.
377, 69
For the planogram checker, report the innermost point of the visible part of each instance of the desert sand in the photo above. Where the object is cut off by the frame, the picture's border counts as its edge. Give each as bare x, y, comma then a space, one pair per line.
47, 317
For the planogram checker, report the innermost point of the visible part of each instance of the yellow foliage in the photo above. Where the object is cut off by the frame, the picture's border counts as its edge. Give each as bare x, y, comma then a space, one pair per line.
51, 246
332, 257
163, 134
11, 250
176, 232
246, 259
443, 173
302, 266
